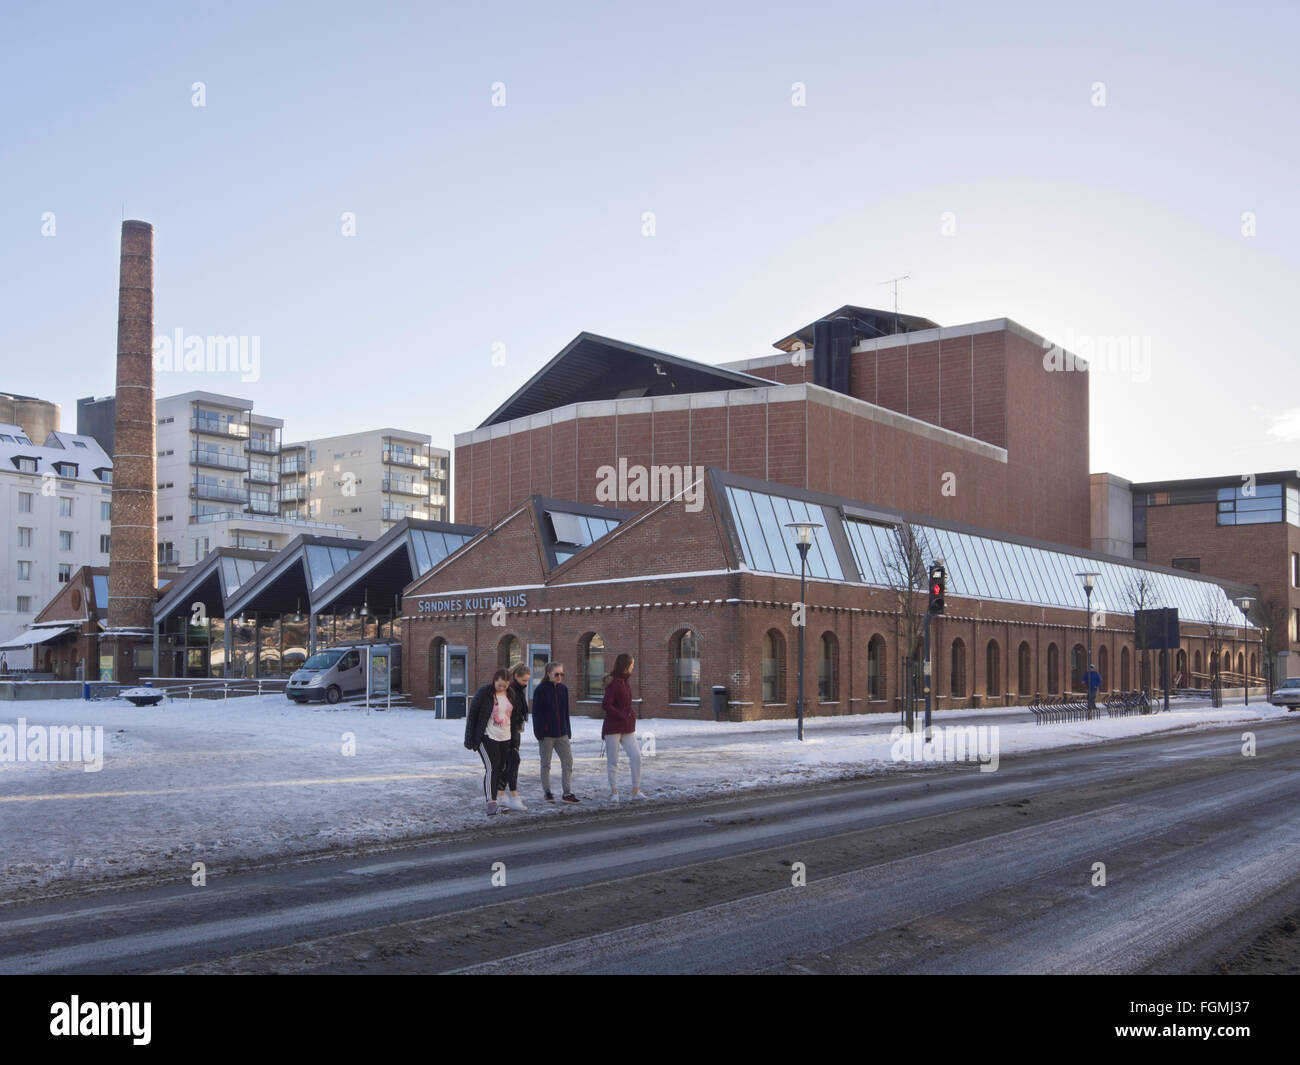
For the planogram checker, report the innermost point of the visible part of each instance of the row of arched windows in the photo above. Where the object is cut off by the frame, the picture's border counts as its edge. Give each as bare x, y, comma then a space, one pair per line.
684, 658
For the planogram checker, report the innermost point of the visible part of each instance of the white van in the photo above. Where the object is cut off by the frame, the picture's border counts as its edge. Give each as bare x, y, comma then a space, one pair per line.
329, 675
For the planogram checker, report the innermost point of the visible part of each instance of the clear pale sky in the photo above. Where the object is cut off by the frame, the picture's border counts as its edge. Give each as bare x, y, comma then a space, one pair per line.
522, 225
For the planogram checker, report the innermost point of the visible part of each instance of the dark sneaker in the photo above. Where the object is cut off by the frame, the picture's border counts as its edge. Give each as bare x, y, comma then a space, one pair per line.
571, 798
550, 797
491, 808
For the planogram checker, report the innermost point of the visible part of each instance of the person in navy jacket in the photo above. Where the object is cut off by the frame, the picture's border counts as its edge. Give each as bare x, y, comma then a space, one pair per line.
553, 731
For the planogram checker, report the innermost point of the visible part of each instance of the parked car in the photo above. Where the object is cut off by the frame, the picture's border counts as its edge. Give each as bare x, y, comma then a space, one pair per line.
329, 675
1287, 694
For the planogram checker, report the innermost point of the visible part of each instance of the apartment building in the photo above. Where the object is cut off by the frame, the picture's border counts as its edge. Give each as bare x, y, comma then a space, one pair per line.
368, 481
55, 506
219, 480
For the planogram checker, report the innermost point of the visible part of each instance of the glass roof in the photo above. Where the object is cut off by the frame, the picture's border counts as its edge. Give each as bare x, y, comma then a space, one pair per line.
769, 546
431, 547
979, 567
323, 562
237, 571
573, 532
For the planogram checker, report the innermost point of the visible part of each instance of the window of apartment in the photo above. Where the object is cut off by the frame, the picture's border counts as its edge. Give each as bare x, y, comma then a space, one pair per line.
1295, 624
103, 543
65, 507
106, 476
79, 443
311, 455
65, 540
66, 469
24, 604
1191, 564
24, 571
105, 510
6, 438
25, 465
24, 537
1295, 570
65, 572
25, 502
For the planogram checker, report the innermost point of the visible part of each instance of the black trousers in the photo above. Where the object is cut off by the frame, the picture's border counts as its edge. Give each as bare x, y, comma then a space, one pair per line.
496, 760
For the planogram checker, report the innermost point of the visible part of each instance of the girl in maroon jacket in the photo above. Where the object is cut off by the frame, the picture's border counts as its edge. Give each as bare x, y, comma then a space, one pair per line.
620, 726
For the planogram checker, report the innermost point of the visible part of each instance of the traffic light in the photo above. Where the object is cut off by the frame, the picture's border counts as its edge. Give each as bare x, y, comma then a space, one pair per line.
938, 585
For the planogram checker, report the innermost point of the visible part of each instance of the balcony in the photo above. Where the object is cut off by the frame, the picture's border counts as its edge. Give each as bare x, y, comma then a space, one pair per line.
217, 427
406, 487
169, 558
262, 476
216, 491
262, 506
397, 457
392, 513
218, 460
263, 446
292, 493
293, 467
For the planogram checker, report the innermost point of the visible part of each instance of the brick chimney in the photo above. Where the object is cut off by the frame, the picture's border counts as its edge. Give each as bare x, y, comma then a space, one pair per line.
133, 555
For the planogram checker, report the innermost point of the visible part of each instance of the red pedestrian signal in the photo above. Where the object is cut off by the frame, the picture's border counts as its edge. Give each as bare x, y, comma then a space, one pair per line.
938, 585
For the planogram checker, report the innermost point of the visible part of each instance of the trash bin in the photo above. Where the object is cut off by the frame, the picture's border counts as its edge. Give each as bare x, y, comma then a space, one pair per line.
719, 702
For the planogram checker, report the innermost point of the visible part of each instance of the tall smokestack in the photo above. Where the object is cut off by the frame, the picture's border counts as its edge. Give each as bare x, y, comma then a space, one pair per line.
133, 554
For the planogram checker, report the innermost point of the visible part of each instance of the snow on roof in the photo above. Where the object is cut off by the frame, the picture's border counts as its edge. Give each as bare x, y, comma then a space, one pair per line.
83, 452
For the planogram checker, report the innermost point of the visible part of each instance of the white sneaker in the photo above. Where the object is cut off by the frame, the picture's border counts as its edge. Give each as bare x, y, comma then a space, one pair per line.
640, 795
514, 802
613, 796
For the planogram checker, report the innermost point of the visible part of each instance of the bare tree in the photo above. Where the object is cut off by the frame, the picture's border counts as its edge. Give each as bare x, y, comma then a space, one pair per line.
1140, 593
1269, 616
907, 573
1218, 627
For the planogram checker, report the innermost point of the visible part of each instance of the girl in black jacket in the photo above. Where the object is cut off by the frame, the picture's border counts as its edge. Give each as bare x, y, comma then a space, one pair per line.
489, 729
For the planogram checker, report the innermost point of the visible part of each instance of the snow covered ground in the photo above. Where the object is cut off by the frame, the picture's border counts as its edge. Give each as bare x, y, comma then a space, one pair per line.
233, 782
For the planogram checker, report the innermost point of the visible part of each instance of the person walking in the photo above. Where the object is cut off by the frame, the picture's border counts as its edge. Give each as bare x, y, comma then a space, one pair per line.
619, 728
553, 731
488, 730
517, 691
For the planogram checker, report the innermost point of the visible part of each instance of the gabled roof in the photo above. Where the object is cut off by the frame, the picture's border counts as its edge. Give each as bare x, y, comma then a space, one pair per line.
867, 322
288, 581
593, 367
212, 582
379, 574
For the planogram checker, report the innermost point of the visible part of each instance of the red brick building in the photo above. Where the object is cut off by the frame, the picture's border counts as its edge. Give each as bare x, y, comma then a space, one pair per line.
705, 596
966, 423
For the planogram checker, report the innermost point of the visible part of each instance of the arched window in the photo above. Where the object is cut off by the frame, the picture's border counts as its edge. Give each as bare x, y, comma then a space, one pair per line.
828, 672
1078, 667
993, 668
1125, 673
510, 652
876, 668
591, 665
957, 676
1053, 669
1241, 662
773, 667
1103, 667
686, 666
436, 648
1254, 665
1196, 668
1025, 667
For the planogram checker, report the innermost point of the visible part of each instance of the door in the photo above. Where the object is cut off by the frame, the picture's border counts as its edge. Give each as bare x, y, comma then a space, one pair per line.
351, 673
455, 681
538, 655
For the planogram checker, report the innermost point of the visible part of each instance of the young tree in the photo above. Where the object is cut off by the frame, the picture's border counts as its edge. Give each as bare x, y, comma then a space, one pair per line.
1140, 593
1218, 627
1269, 616
907, 572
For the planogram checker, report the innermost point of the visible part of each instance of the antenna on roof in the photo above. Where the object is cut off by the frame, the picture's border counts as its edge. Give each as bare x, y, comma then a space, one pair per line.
894, 281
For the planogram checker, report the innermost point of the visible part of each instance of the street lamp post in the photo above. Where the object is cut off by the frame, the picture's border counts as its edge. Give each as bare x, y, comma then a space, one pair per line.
803, 534
1089, 579
1244, 604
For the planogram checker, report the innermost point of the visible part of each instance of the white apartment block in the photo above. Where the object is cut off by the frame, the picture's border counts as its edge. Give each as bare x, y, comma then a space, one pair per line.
54, 502
219, 480
368, 481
